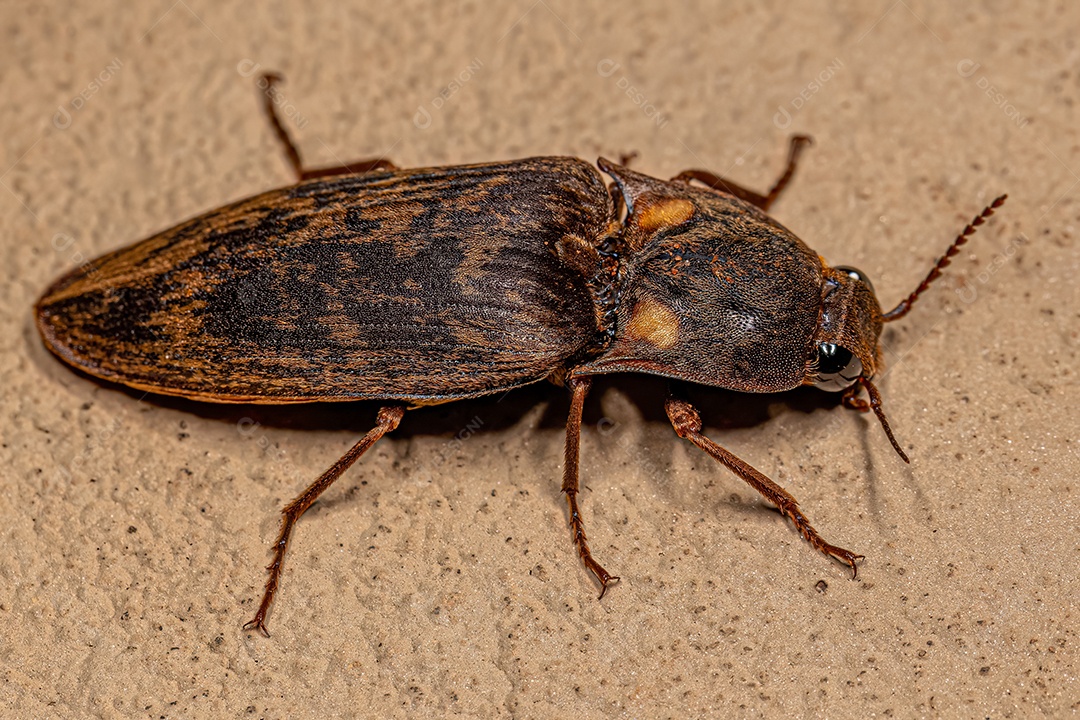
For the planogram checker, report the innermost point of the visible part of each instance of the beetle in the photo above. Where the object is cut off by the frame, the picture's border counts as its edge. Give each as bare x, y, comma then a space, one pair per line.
420, 286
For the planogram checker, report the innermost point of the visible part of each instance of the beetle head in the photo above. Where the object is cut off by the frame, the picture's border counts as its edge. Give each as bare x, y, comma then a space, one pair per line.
845, 344
844, 356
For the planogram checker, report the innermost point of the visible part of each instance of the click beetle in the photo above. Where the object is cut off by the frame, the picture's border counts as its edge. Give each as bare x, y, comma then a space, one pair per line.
422, 286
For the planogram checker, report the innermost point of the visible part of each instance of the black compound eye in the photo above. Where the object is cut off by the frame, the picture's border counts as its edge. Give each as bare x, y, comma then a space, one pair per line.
837, 368
855, 274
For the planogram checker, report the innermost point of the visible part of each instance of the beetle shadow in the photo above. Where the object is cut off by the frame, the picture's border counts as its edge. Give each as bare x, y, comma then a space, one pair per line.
496, 412
721, 410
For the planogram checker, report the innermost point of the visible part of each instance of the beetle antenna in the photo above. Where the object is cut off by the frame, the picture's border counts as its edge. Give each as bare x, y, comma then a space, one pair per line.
875, 405
902, 309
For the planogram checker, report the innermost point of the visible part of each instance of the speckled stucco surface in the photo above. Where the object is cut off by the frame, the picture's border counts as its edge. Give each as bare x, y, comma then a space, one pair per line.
437, 578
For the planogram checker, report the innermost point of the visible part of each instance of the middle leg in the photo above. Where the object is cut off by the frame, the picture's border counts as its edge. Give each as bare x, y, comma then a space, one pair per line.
580, 388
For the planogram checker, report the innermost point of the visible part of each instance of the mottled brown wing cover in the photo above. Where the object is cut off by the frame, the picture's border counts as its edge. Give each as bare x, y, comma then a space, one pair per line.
421, 285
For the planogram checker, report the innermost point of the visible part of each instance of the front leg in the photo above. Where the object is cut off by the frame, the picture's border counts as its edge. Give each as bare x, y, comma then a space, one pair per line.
716, 182
687, 423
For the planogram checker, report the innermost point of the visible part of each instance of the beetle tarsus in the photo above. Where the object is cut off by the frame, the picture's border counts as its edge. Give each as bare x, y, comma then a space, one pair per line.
258, 626
606, 582
845, 556
577, 531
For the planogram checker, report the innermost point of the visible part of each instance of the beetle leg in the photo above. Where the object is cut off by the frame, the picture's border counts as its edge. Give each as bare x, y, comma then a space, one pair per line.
580, 387
358, 166
795, 148
687, 423
388, 419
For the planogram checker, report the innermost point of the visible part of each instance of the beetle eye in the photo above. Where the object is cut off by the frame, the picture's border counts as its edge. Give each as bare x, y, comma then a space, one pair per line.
855, 274
837, 368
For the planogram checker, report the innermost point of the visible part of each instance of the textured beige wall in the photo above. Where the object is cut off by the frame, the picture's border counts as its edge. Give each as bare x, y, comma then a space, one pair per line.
438, 577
